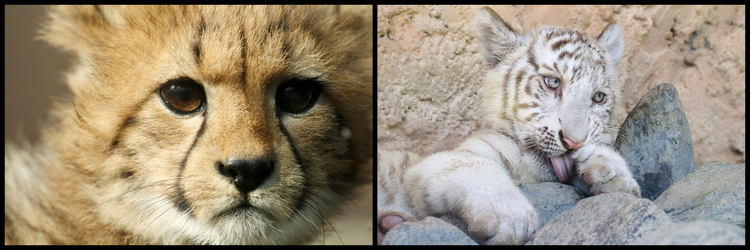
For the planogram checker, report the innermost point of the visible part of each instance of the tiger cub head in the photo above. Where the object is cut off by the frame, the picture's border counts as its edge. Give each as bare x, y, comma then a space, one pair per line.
215, 124
554, 89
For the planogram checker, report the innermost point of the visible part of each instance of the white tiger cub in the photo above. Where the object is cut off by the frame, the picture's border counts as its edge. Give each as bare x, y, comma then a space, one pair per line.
551, 99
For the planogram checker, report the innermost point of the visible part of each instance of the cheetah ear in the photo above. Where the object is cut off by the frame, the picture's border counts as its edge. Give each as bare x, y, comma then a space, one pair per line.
80, 28
611, 40
496, 36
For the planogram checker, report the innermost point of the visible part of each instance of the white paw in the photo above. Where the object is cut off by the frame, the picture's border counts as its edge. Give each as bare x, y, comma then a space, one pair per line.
605, 171
506, 219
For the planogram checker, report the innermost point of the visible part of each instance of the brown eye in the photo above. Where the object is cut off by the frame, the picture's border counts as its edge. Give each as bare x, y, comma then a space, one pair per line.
183, 95
297, 96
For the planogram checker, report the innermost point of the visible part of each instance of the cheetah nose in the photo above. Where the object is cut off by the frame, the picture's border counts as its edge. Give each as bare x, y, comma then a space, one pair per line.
570, 144
246, 175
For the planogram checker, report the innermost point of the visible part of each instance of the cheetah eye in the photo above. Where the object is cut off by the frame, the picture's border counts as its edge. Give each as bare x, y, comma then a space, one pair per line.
297, 96
183, 95
598, 97
552, 82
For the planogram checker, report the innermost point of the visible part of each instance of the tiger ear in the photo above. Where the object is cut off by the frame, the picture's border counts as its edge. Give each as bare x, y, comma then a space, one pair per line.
496, 36
611, 40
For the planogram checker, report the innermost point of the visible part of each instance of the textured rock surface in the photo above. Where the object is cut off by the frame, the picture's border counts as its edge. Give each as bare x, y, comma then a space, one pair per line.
695, 233
551, 198
607, 219
430, 68
429, 231
715, 191
655, 141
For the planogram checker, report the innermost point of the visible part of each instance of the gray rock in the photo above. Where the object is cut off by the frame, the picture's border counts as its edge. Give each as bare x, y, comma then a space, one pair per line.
708, 204
655, 141
695, 233
614, 218
715, 191
428, 231
551, 198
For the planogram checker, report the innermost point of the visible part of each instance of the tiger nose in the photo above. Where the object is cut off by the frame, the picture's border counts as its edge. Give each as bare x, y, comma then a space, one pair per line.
569, 143
246, 175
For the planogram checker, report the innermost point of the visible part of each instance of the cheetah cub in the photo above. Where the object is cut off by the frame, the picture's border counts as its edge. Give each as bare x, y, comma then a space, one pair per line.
198, 125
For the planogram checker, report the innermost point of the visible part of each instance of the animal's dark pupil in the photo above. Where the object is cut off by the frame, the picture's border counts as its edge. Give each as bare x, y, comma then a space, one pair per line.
183, 98
296, 98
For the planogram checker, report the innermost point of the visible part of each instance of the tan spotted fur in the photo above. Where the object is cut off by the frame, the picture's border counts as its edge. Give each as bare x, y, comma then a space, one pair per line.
120, 167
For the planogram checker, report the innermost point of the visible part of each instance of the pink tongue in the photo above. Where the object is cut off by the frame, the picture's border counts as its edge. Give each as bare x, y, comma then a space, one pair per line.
563, 167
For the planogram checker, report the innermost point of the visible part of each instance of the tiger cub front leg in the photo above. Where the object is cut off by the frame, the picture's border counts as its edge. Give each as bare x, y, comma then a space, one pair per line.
476, 189
604, 170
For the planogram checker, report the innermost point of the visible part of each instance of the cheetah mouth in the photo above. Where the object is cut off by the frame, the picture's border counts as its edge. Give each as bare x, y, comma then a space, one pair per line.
238, 209
563, 166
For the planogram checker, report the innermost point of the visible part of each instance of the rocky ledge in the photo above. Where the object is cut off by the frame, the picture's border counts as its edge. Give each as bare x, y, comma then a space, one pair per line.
681, 204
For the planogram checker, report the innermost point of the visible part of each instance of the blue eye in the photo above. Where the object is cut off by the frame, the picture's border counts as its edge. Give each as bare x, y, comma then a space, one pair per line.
552, 82
598, 97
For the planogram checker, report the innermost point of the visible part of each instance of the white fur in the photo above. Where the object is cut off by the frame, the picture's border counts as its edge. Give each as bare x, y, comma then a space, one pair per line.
479, 181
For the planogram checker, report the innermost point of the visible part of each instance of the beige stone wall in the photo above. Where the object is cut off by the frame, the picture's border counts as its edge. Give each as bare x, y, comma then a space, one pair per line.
430, 67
